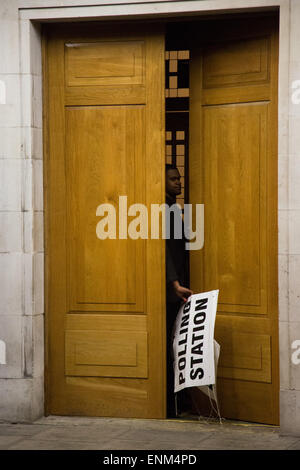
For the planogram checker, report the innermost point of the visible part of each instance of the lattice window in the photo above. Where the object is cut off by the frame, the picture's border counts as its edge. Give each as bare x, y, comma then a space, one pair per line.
175, 154
177, 118
177, 63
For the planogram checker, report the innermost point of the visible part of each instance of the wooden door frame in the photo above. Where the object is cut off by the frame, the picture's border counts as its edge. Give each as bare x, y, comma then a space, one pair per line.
45, 139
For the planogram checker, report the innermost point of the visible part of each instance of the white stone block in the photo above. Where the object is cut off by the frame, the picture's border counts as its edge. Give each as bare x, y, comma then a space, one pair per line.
283, 218
294, 30
26, 142
36, 48
9, 10
284, 33
284, 355
294, 109
283, 134
38, 398
38, 231
32, 139
38, 345
28, 231
10, 142
28, 283
28, 344
15, 399
37, 104
284, 96
37, 144
294, 232
24, 32
10, 115
290, 412
31, 105
30, 47
10, 185
294, 135
38, 201
283, 182
294, 288
11, 283
9, 50
294, 178
33, 232
283, 290
38, 283
21, 400
27, 100
2, 92
27, 190
294, 348
294, 66
11, 236
11, 333
283, 78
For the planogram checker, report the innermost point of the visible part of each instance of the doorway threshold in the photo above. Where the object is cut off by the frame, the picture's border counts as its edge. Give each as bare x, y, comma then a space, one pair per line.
190, 417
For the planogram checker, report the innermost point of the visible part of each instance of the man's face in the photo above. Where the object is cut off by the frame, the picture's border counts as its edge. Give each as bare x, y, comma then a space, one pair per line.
173, 185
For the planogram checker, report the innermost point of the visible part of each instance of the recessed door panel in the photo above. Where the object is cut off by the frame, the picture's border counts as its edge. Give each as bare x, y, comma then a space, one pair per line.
235, 205
112, 141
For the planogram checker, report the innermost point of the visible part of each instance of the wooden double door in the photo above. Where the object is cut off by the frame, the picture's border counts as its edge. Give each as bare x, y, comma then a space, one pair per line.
104, 133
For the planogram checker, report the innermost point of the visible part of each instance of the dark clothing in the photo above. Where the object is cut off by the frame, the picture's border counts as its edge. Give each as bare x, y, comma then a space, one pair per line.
175, 253
172, 309
175, 271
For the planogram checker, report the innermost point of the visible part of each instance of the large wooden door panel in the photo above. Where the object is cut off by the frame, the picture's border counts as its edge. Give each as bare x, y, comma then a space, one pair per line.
105, 297
233, 171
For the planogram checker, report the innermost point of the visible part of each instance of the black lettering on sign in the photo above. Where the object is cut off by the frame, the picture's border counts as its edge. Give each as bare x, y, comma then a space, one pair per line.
196, 360
183, 341
197, 339
183, 351
201, 304
182, 363
198, 328
184, 321
196, 374
199, 318
197, 349
187, 307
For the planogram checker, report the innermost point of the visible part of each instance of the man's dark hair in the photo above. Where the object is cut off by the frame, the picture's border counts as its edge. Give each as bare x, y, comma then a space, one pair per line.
171, 166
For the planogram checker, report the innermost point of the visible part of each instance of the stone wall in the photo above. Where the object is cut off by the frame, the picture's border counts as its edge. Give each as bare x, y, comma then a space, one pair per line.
21, 221
289, 232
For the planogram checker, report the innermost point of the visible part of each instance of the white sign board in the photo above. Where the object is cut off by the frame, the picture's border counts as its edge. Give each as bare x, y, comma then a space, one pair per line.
193, 345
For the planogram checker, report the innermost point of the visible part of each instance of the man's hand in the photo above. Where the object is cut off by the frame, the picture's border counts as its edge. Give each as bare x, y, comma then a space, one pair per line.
182, 292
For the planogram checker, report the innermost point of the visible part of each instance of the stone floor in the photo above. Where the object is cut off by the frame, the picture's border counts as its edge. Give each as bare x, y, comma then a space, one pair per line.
69, 433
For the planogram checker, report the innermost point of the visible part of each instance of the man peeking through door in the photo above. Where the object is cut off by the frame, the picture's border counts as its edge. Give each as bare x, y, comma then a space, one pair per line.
176, 261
